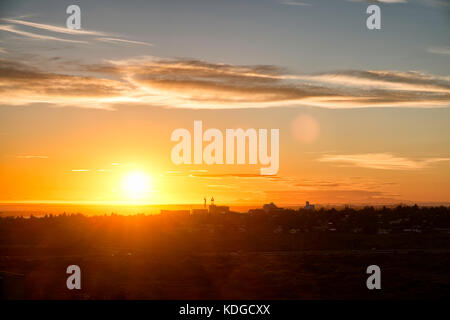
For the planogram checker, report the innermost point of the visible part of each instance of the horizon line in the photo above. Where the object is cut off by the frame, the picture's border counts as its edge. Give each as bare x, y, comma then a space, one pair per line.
231, 204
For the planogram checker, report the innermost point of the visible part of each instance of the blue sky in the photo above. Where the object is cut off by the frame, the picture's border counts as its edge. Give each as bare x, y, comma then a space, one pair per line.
310, 38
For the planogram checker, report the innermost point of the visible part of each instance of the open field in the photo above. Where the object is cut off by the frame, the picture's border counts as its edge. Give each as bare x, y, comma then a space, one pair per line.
280, 255
406, 274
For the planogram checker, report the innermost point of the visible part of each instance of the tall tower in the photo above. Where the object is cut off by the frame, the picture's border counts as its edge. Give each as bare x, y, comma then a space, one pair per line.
204, 203
212, 201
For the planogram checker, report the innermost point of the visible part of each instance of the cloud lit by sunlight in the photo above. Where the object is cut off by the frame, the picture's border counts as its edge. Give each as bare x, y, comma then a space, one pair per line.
384, 161
195, 84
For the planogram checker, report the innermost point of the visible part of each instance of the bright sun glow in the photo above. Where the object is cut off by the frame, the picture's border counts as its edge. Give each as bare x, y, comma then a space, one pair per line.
136, 185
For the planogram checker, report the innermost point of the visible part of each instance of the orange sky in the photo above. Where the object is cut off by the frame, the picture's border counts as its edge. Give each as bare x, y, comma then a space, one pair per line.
86, 116
80, 155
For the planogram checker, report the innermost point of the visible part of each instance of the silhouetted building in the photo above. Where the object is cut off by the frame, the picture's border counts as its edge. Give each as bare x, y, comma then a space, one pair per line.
213, 209
199, 211
256, 211
269, 207
272, 208
309, 206
175, 213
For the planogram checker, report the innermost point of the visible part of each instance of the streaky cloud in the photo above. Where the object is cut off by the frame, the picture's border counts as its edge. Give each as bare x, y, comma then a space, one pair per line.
12, 29
31, 157
195, 84
440, 50
382, 161
58, 29
118, 40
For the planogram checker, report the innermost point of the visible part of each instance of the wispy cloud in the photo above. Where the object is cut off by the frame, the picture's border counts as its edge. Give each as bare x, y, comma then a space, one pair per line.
12, 29
383, 79
2, 50
338, 196
53, 28
22, 84
429, 3
31, 157
199, 84
183, 83
296, 3
384, 161
440, 50
80, 170
117, 40
351, 183
379, 1
101, 36
230, 175
220, 186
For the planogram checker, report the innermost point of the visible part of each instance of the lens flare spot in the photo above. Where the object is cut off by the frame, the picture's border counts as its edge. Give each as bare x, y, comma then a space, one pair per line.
305, 128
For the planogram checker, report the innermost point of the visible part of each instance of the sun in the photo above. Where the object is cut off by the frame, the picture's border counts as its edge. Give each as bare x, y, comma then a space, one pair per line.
136, 185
